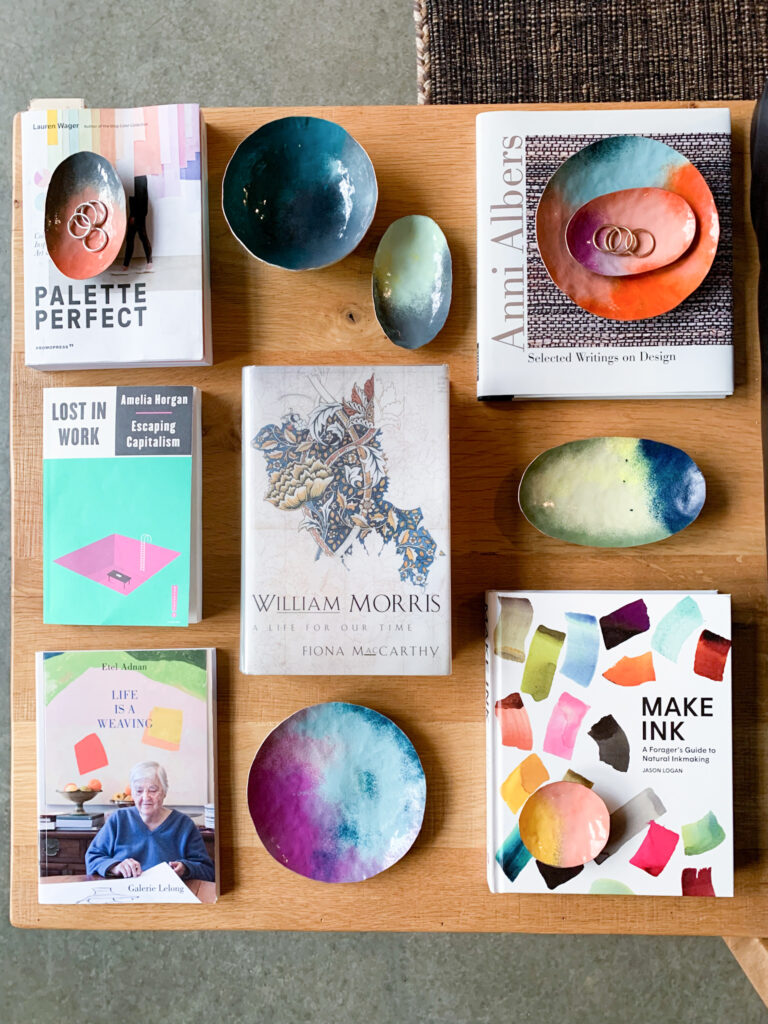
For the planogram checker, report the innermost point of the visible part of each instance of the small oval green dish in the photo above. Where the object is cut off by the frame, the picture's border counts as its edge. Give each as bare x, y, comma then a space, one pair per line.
299, 193
612, 492
412, 281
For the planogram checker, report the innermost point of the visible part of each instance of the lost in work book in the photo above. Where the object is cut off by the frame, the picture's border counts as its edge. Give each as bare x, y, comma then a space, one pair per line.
156, 310
121, 506
632, 693
346, 531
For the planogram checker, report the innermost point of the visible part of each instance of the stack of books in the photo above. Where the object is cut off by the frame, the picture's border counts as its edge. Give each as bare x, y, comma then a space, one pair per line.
209, 818
85, 822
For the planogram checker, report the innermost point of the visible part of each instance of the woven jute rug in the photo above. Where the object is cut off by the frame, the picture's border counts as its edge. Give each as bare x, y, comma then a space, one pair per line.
588, 51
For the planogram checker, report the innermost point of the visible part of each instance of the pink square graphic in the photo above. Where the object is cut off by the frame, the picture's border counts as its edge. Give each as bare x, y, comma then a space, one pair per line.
120, 563
656, 849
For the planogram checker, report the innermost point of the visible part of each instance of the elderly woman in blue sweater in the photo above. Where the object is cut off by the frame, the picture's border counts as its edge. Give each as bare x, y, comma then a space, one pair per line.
134, 839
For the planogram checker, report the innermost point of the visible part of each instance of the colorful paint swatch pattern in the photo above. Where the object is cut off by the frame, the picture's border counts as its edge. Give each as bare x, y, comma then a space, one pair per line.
697, 882
515, 618
609, 887
703, 835
90, 754
711, 655
632, 671
164, 728
656, 849
524, 780
675, 628
541, 663
514, 722
624, 623
557, 876
512, 855
582, 649
563, 727
630, 819
612, 743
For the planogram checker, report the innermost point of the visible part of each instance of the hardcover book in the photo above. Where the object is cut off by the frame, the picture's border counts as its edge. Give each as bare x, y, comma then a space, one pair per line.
628, 694
346, 521
127, 744
151, 307
591, 335
121, 506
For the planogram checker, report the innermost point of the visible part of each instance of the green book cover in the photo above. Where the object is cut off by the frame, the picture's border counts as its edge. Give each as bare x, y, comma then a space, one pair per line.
120, 516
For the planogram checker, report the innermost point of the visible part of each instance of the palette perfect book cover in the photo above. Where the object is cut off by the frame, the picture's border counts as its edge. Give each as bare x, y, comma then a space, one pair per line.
629, 694
346, 521
151, 307
121, 506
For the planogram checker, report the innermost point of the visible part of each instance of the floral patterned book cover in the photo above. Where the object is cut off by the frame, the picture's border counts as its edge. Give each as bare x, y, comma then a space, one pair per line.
346, 521
608, 725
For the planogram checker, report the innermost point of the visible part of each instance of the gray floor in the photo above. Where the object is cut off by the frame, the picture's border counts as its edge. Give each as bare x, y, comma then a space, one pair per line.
226, 53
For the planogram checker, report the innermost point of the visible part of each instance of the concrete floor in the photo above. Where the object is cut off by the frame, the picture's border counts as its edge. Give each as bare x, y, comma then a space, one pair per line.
280, 52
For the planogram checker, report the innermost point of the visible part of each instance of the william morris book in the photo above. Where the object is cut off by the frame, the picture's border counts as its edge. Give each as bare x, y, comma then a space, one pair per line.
346, 530
151, 307
628, 694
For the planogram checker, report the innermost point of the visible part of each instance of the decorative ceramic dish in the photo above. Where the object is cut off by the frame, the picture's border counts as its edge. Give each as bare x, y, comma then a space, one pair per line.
299, 193
337, 792
658, 177
85, 218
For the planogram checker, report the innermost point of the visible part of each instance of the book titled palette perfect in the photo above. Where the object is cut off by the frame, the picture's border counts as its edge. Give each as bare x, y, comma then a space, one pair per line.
608, 719
121, 506
346, 521
126, 772
149, 303
604, 254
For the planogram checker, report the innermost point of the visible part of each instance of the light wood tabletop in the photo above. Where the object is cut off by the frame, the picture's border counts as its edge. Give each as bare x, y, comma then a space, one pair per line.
425, 163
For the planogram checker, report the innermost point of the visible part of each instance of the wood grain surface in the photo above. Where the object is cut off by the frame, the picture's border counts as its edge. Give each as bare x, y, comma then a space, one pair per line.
425, 162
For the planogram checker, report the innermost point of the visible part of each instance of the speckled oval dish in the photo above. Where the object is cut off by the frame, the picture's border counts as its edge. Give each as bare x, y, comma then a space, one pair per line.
412, 281
299, 193
564, 824
611, 165
337, 792
85, 217
612, 492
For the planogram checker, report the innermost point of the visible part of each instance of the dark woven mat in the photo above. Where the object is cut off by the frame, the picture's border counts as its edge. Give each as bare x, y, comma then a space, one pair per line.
584, 51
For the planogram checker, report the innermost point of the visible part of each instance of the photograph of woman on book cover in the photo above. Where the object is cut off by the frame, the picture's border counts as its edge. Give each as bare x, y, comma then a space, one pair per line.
136, 838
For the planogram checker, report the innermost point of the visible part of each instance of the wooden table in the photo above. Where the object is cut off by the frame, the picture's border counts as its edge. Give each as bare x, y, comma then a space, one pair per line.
424, 159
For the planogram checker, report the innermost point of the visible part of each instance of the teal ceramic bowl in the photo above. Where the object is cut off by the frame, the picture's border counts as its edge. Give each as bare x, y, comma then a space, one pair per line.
299, 193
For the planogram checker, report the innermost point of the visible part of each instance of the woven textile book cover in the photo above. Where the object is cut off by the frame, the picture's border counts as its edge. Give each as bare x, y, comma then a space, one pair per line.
533, 339
346, 521
628, 694
151, 305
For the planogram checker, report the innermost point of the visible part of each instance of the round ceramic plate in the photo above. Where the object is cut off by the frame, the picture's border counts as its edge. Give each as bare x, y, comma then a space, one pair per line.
610, 165
337, 792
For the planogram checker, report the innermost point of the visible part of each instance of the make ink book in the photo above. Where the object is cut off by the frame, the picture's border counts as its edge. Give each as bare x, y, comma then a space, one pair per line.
122, 506
628, 694
568, 315
103, 718
346, 521
151, 305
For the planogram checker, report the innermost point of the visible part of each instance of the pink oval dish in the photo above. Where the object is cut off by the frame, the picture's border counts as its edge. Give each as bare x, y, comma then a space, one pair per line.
631, 231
